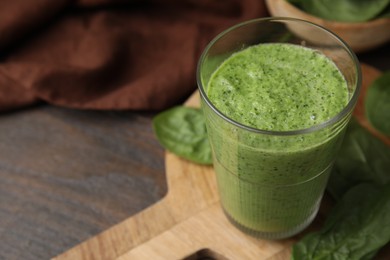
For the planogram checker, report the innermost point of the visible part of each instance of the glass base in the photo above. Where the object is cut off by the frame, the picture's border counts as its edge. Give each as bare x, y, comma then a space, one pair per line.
272, 235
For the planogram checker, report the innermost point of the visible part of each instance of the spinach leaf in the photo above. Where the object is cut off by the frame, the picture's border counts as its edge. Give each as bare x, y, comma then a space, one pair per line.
356, 228
385, 13
182, 131
377, 103
344, 10
362, 158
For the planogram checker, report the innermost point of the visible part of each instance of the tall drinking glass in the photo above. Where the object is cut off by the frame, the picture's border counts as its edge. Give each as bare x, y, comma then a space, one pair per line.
271, 182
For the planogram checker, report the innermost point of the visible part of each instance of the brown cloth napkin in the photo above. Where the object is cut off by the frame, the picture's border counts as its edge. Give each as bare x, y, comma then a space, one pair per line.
108, 54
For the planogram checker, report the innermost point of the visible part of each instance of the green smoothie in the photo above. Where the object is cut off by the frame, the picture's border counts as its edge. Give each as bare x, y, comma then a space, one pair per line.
271, 183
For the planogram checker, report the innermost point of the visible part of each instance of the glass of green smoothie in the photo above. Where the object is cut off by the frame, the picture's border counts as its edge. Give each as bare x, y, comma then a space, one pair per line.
277, 95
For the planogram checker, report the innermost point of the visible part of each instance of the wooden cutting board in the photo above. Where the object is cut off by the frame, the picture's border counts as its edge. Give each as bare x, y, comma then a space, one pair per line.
188, 222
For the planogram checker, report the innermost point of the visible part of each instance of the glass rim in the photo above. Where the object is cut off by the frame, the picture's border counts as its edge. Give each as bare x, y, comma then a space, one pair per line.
339, 116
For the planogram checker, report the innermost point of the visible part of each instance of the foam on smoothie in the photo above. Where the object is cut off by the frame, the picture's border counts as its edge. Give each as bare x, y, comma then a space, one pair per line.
278, 87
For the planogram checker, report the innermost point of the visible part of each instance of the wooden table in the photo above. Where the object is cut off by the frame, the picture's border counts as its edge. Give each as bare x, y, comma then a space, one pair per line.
67, 175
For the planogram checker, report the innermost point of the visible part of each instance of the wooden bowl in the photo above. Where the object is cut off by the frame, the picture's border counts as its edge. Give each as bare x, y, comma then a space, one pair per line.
360, 36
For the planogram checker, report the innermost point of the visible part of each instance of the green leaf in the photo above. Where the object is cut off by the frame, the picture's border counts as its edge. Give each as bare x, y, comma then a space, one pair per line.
377, 103
345, 10
357, 227
182, 131
362, 158
385, 13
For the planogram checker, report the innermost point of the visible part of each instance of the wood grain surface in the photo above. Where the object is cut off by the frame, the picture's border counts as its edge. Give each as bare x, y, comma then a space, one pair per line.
68, 175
